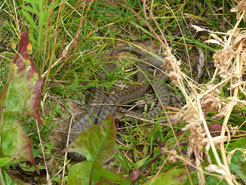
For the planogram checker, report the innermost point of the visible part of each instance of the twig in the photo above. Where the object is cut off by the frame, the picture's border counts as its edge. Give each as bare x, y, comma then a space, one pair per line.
42, 149
65, 158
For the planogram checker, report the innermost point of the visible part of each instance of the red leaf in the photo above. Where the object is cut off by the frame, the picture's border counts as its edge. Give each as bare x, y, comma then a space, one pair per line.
33, 103
135, 174
22, 94
25, 152
215, 129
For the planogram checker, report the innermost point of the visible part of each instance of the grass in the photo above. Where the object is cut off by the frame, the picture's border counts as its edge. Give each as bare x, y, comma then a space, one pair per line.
71, 44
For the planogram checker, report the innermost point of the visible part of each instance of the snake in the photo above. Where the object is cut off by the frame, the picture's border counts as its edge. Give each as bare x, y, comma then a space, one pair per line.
108, 104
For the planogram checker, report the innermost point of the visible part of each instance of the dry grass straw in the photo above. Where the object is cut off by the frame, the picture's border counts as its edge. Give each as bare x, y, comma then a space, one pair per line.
230, 65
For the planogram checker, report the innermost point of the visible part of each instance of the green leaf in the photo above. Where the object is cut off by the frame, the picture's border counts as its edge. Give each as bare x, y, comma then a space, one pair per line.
141, 162
15, 142
238, 165
5, 161
171, 177
96, 143
239, 143
30, 9
11, 100
80, 173
88, 173
30, 19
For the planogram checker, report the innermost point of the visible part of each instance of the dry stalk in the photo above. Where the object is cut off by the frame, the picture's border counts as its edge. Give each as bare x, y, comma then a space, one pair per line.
229, 63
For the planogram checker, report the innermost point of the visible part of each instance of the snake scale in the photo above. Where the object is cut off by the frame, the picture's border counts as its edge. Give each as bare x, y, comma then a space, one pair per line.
108, 104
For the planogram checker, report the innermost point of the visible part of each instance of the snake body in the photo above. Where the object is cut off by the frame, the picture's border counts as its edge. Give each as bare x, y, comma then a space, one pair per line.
97, 114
